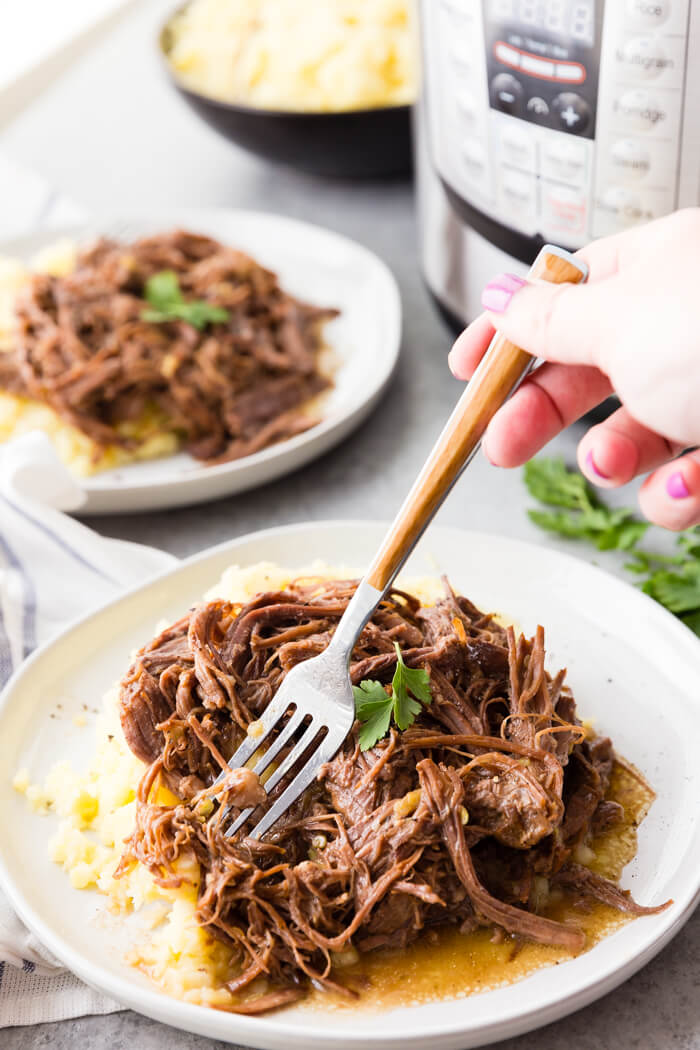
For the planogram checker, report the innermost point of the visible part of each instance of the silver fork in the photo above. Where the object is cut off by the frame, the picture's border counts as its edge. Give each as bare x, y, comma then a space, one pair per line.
114, 229
319, 689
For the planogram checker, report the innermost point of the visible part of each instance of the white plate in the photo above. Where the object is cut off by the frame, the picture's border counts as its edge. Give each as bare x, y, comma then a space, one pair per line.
313, 264
634, 669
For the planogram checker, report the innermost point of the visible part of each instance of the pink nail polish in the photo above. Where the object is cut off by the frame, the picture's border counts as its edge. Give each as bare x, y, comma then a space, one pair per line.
498, 293
590, 463
676, 486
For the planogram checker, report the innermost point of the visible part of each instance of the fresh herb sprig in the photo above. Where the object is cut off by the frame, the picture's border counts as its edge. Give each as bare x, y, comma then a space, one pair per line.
673, 580
585, 516
168, 304
374, 707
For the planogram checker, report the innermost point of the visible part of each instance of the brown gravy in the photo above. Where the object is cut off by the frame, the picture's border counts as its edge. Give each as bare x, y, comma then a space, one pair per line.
453, 965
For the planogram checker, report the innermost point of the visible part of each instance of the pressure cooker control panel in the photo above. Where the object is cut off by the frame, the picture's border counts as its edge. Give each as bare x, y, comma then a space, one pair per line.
542, 62
557, 119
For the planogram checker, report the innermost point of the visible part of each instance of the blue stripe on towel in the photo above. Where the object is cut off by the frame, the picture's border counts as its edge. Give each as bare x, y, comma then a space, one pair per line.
59, 541
5, 653
29, 603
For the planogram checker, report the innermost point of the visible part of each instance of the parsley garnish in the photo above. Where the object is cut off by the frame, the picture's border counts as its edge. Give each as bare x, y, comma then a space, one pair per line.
167, 304
374, 707
585, 517
672, 580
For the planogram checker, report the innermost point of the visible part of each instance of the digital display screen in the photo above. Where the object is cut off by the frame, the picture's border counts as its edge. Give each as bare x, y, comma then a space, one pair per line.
574, 19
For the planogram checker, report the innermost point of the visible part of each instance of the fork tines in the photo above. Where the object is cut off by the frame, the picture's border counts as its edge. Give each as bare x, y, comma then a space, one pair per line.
307, 729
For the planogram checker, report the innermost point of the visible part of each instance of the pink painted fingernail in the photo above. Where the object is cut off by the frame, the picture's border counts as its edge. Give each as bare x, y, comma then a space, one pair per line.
676, 486
498, 293
590, 463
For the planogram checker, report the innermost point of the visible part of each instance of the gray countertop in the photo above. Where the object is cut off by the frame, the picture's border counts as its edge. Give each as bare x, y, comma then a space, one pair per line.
112, 135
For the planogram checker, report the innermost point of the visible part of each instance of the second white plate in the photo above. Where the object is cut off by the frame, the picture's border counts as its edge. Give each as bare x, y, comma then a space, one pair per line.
312, 263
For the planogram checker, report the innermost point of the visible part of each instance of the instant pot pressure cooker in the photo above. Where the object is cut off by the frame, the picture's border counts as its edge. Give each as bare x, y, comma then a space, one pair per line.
549, 120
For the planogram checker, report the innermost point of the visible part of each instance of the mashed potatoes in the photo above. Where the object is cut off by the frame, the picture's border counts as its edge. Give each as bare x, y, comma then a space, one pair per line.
20, 415
96, 810
295, 55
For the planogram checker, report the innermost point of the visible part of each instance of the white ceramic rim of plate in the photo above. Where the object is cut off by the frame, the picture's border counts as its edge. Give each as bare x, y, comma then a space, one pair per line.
452, 1036
140, 224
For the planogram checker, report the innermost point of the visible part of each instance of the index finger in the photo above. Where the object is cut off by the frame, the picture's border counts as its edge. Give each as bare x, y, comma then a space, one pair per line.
603, 260
470, 346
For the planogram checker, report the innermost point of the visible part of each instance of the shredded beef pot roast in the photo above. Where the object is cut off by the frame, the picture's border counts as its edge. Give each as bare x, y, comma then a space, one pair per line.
228, 391
447, 822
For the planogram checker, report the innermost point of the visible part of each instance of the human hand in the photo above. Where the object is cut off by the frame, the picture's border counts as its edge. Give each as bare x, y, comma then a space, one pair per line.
634, 329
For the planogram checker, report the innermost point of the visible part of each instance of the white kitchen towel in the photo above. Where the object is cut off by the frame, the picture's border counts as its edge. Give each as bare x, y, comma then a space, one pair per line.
30, 203
40, 548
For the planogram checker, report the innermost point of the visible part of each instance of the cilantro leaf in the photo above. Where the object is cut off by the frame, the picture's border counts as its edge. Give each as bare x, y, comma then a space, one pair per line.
692, 620
645, 561
549, 481
164, 296
163, 290
585, 517
367, 695
374, 707
560, 523
622, 535
689, 542
156, 316
678, 591
200, 313
407, 681
673, 580
376, 727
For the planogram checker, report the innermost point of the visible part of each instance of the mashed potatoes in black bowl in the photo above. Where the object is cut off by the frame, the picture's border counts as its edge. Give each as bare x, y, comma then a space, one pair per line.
326, 88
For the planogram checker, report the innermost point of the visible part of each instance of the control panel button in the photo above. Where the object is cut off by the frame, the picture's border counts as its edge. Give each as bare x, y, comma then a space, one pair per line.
564, 158
630, 159
648, 14
618, 209
623, 207
573, 112
564, 209
506, 93
510, 56
460, 24
466, 8
644, 57
537, 108
638, 111
462, 52
475, 163
519, 193
468, 108
518, 146
537, 67
570, 72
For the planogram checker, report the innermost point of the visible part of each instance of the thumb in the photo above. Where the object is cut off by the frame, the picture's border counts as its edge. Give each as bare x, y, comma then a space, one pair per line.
557, 322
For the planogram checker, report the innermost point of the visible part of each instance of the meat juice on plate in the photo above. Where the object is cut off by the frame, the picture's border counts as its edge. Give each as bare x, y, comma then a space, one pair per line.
447, 964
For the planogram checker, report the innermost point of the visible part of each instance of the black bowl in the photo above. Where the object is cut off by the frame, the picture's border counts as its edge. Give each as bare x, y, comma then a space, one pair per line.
361, 143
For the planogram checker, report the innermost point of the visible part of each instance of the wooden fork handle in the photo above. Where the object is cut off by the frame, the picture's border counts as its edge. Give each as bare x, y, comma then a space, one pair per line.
502, 368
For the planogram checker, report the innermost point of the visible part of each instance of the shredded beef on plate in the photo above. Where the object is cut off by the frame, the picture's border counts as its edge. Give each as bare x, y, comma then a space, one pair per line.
446, 823
82, 347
